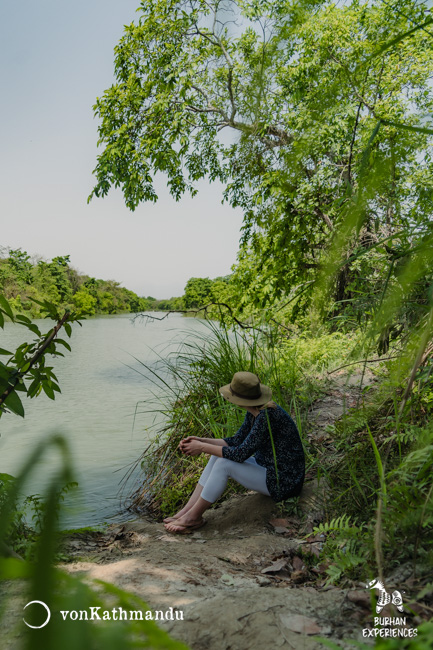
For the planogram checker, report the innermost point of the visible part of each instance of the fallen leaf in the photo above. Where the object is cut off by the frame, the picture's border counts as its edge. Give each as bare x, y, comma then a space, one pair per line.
300, 624
417, 608
298, 563
276, 566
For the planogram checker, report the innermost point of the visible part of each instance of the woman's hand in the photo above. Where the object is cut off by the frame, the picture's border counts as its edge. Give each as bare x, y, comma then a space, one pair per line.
186, 440
190, 446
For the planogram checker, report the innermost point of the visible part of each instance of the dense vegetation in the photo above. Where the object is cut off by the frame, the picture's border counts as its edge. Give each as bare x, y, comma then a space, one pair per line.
331, 161
23, 281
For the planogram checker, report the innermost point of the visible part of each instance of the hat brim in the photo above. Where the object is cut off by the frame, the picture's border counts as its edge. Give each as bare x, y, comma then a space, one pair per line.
265, 396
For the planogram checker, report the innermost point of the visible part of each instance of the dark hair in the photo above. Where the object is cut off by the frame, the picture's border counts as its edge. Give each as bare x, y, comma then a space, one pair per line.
268, 405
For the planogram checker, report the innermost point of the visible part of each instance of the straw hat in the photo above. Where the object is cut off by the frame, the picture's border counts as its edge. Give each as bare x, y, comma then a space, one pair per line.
245, 389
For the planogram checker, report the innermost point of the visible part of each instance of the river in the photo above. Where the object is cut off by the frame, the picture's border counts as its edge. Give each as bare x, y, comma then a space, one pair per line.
101, 410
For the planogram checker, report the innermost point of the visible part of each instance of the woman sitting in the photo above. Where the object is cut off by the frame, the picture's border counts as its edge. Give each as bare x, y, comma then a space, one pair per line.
276, 469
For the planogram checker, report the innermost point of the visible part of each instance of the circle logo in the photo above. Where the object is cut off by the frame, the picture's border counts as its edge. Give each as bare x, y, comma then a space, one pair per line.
39, 602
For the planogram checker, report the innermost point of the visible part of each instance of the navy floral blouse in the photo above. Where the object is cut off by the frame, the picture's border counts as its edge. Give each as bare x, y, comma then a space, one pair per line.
253, 438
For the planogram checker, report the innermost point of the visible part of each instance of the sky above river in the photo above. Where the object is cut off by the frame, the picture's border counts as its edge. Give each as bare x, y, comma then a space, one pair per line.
57, 57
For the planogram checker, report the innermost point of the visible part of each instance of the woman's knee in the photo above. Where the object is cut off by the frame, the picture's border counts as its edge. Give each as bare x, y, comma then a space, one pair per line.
223, 464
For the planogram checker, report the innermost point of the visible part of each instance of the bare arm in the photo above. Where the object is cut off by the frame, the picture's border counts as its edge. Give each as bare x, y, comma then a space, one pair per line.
219, 442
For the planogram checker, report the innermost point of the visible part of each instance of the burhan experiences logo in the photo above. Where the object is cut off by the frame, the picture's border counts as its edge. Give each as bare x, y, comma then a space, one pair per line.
384, 597
388, 626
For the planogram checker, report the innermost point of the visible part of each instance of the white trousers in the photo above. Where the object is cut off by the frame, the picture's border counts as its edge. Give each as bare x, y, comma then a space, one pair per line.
218, 471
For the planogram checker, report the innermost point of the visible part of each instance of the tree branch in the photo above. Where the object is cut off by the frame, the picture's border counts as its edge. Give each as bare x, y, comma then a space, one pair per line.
243, 326
354, 363
324, 217
37, 355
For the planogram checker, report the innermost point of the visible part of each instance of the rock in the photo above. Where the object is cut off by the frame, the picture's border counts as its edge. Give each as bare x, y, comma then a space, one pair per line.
361, 598
277, 523
227, 579
300, 624
313, 498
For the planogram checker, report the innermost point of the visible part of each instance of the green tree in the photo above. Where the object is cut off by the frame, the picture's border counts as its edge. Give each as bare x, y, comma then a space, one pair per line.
198, 292
85, 303
317, 94
18, 261
58, 268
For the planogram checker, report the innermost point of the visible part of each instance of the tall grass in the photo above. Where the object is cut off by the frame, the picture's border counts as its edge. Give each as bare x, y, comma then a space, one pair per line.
192, 406
187, 397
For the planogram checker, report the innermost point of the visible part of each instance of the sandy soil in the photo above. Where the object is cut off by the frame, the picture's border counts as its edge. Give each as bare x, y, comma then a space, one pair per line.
241, 581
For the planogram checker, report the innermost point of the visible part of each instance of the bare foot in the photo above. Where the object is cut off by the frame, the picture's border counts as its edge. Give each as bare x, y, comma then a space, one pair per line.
183, 525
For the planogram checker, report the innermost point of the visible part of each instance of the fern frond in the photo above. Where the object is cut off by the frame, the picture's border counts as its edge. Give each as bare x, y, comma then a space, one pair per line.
339, 524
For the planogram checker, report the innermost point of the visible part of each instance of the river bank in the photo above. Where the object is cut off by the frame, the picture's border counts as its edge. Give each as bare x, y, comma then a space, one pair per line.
252, 578
242, 582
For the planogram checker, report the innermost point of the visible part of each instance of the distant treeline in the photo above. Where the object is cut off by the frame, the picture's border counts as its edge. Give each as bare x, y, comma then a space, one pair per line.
198, 292
24, 279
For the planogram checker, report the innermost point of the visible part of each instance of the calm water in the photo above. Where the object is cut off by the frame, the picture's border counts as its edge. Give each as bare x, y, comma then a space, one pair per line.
95, 411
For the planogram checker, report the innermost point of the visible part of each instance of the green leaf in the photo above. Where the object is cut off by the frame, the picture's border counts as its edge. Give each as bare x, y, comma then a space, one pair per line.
23, 319
35, 329
399, 38
5, 371
14, 404
3, 351
34, 388
68, 329
6, 307
62, 342
48, 390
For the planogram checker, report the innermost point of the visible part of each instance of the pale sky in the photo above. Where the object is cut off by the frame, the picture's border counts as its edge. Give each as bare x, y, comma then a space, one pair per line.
57, 57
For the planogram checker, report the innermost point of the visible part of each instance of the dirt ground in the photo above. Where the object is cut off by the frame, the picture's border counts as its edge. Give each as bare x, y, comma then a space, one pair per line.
240, 581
